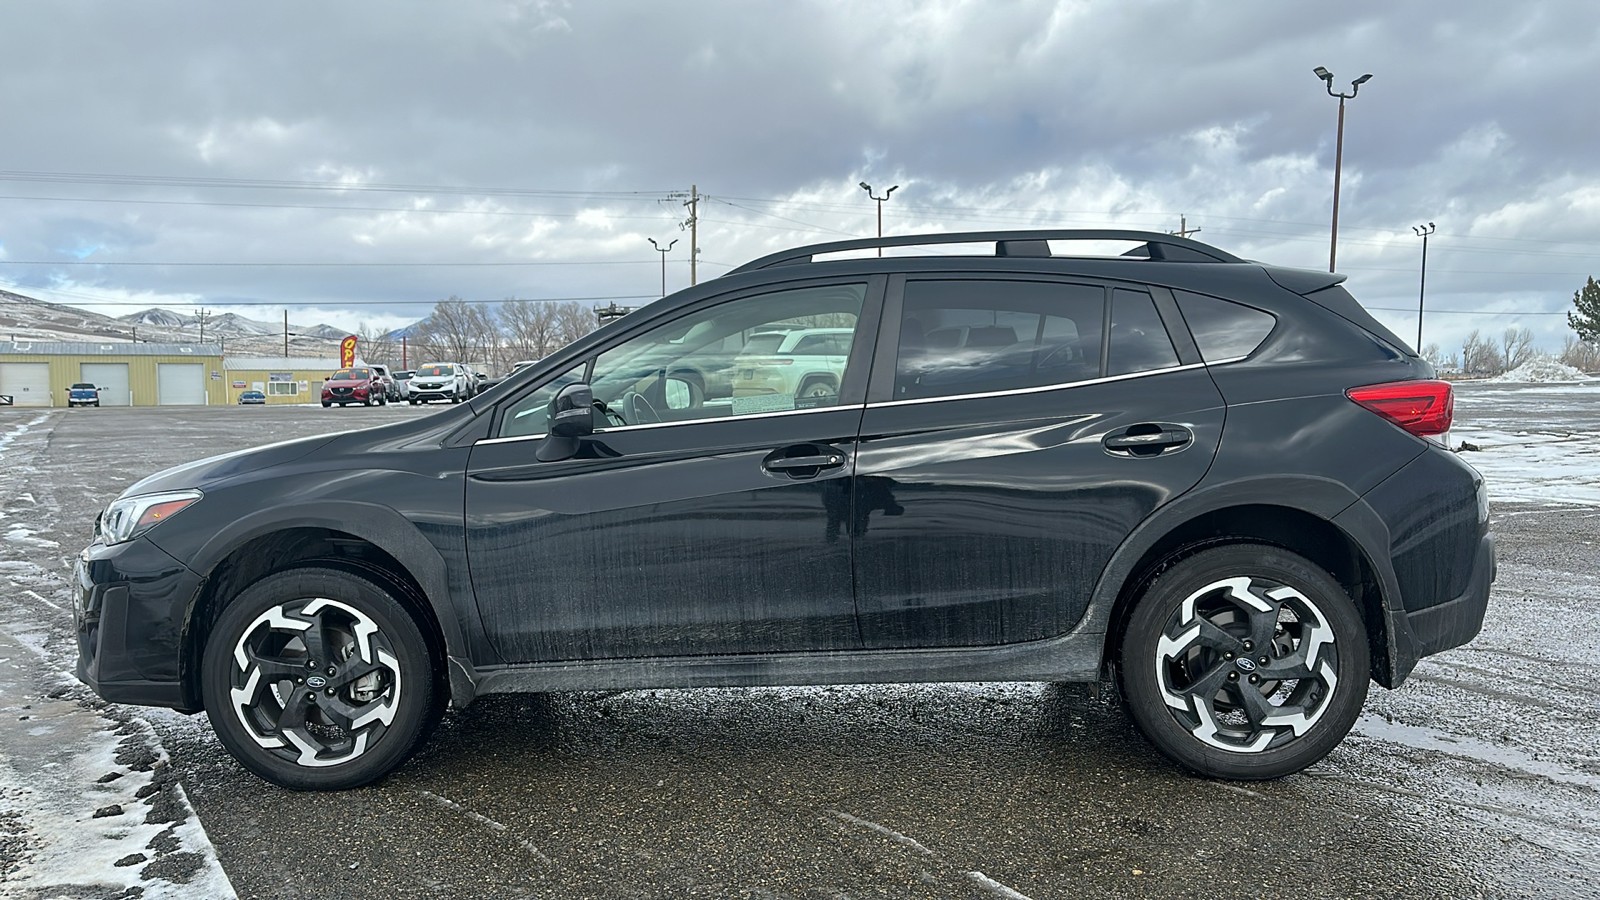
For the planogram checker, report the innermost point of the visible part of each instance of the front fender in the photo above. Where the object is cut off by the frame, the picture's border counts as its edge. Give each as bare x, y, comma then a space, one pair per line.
379, 525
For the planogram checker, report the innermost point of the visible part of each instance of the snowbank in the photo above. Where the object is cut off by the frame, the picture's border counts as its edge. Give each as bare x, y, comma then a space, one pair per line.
1541, 369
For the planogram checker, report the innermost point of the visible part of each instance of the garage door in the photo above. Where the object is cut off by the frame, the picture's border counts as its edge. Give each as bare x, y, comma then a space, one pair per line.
180, 384
27, 383
111, 378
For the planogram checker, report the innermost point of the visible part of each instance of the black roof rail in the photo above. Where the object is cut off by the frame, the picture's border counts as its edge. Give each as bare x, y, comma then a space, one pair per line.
1155, 245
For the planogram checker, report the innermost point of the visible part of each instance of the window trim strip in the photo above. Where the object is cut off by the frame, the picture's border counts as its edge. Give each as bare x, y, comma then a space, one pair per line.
1043, 388
615, 428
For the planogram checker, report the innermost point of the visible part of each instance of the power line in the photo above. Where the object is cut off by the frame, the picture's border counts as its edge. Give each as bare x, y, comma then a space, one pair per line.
291, 264
400, 209
275, 184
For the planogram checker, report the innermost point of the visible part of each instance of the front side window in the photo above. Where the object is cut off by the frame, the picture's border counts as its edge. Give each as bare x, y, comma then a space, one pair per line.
973, 336
719, 361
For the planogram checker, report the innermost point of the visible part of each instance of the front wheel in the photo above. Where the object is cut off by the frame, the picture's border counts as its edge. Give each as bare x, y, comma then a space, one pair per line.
1244, 662
315, 679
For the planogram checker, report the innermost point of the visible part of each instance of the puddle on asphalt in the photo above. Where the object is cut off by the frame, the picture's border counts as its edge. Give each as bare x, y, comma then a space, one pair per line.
1471, 748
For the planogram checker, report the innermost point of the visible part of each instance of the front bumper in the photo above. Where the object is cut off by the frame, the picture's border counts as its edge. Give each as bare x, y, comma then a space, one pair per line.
130, 603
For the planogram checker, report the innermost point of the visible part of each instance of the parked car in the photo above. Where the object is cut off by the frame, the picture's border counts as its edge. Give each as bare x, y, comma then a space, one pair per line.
83, 394
391, 389
357, 384
439, 381
253, 398
402, 383
804, 362
1219, 483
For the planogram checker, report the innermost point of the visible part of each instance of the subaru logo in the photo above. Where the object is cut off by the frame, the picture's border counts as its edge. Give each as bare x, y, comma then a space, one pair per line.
317, 682
1245, 664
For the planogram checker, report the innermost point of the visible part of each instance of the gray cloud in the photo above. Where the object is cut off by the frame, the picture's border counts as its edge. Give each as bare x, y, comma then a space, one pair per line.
988, 114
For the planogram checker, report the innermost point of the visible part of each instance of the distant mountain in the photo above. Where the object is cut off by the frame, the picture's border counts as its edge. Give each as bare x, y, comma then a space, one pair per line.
233, 323
163, 318
325, 331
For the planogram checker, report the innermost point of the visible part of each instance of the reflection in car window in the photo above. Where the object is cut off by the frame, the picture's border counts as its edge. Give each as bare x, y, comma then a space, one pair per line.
719, 361
531, 414
973, 336
1223, 329
1139, 342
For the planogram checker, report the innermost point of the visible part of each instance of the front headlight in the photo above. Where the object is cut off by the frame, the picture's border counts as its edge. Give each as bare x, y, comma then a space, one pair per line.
128, 517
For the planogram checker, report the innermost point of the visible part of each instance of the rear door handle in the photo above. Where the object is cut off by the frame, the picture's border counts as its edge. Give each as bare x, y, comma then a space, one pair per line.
1148, 440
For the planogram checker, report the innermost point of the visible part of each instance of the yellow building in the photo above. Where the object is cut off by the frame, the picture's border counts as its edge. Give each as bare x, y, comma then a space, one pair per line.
283, 380
128, 374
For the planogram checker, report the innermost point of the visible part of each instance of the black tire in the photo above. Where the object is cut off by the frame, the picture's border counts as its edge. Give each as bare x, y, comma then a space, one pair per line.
1191, 668
413, 403
347, 740
818, 389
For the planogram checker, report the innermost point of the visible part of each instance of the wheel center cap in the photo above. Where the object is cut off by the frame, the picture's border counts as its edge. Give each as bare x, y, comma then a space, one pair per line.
316, 682
1245, 664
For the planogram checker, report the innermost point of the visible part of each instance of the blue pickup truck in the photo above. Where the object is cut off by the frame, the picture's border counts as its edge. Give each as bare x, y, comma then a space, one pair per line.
83, 395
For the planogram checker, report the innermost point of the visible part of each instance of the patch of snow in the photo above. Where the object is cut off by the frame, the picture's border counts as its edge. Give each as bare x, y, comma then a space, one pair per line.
1540, 370
1536, 466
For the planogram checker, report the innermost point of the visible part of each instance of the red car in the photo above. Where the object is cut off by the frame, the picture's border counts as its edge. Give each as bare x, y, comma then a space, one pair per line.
357, 384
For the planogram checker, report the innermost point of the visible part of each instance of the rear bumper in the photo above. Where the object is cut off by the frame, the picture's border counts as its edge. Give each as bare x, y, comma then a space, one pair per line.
130, 601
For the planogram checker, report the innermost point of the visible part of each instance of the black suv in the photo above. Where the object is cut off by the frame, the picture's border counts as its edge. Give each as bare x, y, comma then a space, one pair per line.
1220, 483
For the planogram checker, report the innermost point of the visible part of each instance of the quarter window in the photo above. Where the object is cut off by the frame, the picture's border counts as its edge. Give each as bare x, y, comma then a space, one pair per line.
1222, 329
975, 336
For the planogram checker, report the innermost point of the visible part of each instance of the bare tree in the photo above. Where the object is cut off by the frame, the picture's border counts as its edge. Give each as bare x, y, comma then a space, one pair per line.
458, 331
1436, 358
573, 321
1480, 357
1516, 347
375, 345
530, 328
1580, 354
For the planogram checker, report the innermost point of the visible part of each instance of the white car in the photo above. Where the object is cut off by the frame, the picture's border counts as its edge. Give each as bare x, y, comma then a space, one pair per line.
802, 363
439, 381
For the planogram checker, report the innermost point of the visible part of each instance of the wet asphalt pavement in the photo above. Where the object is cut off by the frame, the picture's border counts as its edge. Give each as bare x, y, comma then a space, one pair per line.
1479, 777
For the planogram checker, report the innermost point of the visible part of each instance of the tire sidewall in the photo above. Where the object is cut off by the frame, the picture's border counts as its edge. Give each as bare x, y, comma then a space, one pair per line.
412, 714
1143, 695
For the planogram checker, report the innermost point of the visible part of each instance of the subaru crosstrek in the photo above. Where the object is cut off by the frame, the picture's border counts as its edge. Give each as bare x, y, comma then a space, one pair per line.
1219, 483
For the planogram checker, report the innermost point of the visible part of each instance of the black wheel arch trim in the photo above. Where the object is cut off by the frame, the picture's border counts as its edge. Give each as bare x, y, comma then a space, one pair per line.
1323, 498
383, 527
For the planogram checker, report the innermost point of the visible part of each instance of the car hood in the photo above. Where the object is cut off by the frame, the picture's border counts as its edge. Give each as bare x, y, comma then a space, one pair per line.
201, 472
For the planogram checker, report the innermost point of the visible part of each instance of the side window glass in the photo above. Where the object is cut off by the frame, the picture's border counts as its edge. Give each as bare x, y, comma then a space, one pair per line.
1222, 329
1139, 342
973, 336
730, 359
531, 414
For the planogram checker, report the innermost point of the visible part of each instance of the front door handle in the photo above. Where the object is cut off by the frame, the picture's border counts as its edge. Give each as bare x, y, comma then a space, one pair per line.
1148, 440
803, 461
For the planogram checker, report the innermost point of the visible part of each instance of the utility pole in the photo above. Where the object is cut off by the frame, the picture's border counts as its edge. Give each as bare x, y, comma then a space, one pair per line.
1422, 232
663, 251
201, 315
1338, 153
868, 188
694, 232
286, 334
1183, 228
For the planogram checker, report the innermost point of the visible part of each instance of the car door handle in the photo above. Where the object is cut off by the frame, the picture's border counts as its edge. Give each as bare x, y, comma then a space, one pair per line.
828, 461
1148, 440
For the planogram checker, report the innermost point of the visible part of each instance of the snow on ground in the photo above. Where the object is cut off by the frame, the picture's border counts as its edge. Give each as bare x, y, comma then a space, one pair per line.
1540, 370
1556, 463
88, 806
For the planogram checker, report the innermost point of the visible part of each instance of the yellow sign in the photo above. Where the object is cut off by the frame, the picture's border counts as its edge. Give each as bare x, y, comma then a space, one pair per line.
347, 352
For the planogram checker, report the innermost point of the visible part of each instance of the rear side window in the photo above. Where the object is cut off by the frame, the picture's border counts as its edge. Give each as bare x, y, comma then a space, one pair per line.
1139, 342
1223, 329
973, 336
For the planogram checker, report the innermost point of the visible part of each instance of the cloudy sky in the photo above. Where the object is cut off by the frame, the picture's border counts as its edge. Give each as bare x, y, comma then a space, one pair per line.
354, 162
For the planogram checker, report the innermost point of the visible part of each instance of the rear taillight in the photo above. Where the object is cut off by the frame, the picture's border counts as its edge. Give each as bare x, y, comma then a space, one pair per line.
1424, 408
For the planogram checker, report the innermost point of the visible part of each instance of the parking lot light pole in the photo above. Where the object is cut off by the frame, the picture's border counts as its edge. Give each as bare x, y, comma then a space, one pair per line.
1422, 232
868, 188
1338, 153
663, 251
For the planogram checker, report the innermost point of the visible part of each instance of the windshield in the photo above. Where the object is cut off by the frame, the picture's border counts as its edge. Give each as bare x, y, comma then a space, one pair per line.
361, 374
84, 387
435, 372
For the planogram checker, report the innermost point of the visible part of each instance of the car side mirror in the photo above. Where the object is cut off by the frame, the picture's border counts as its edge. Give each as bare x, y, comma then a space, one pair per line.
571, 420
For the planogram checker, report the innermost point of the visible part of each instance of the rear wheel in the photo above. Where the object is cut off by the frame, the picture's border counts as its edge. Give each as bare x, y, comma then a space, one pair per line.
1245, 662
315, 679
